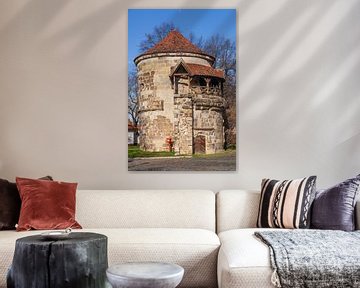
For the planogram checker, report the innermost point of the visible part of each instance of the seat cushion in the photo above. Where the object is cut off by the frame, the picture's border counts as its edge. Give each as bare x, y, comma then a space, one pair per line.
244, 261
196, 250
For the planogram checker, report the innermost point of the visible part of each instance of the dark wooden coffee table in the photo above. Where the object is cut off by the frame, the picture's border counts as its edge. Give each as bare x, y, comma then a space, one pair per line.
80, 261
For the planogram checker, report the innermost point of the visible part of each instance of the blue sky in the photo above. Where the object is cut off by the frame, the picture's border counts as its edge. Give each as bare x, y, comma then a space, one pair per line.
201, 22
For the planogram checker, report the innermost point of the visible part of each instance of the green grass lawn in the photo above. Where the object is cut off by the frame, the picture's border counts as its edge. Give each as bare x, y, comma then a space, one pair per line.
228, 152
135, 152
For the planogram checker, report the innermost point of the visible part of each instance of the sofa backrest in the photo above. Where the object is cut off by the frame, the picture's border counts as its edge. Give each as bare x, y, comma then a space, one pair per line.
239, 209
146, 209
236, 209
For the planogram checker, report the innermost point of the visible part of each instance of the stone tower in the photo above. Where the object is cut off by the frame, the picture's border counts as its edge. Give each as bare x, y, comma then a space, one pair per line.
180, 98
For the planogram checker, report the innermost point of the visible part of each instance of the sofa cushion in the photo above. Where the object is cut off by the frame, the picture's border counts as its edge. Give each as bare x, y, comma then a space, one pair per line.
334, 208
236, 209
244, 261
286, 204
153, 209
46, 204
194, 249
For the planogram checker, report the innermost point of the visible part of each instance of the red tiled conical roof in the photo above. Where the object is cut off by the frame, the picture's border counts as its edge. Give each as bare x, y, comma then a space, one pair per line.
174, 42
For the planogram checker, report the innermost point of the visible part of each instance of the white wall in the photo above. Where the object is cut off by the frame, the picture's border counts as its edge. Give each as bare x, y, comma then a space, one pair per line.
63, 92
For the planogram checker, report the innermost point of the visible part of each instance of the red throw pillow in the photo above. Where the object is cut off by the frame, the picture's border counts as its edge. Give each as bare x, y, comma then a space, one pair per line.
10, 204
46, 204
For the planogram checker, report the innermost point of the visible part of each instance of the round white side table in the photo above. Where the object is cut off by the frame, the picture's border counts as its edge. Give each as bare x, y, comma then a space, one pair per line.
145, 275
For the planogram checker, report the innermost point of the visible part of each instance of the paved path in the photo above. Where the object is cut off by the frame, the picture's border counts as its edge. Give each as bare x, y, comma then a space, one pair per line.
214, 163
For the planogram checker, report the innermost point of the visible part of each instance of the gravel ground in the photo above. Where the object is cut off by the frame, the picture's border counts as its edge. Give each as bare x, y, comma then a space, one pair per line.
225, 162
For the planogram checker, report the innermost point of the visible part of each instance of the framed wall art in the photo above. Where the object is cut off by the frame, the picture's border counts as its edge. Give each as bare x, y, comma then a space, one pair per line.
182, 90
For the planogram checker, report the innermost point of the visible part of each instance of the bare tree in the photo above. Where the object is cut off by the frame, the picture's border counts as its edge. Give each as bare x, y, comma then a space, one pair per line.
133, 98
197, 41
224, 51
156, 35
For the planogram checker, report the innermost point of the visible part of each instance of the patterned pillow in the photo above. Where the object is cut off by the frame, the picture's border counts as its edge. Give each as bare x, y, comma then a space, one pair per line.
286, 204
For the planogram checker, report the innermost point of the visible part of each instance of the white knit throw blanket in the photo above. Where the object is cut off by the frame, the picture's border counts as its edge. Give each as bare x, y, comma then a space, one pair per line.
313, 258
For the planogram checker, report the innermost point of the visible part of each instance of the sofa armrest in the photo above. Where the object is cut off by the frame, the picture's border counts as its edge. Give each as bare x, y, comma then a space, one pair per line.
357, 215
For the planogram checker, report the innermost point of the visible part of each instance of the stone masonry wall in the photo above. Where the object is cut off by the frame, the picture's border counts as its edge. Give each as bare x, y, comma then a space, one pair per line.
180, 116
210, 124
183, 123
156, 101
208, 121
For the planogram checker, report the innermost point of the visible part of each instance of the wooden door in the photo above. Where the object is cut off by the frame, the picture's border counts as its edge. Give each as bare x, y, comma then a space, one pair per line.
200, 144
